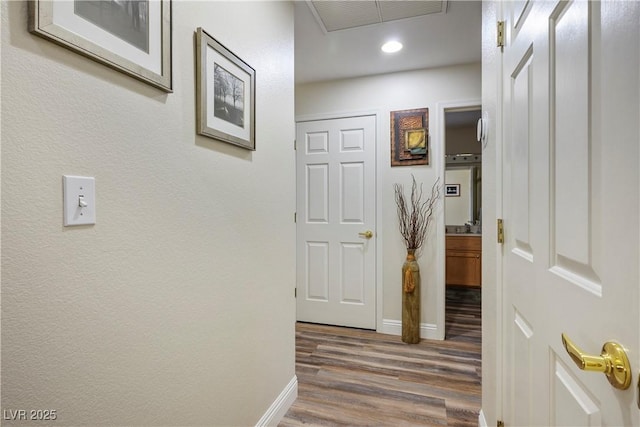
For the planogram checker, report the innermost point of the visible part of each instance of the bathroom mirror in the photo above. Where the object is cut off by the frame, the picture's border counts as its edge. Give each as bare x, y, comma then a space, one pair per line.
467, 206
463, 168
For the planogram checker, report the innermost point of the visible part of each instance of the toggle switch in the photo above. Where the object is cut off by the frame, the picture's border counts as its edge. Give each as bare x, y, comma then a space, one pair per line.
79, 199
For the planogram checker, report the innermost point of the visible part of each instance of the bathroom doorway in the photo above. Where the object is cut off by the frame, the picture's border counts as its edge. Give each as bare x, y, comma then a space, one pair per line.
463, 224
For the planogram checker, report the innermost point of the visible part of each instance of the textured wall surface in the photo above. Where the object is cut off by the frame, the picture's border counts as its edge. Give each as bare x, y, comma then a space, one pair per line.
177, 307
385, 93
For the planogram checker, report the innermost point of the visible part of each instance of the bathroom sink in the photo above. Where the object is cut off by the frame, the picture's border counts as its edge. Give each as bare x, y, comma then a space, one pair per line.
463, 229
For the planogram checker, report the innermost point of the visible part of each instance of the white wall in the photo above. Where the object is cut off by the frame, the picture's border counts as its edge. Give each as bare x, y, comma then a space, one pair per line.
383, 94
177, 307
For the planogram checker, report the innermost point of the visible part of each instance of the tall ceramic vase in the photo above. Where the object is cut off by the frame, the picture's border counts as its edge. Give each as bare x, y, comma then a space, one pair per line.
411, 299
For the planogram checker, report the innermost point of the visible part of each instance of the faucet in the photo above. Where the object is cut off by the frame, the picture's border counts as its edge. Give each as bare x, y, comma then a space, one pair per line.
473, 227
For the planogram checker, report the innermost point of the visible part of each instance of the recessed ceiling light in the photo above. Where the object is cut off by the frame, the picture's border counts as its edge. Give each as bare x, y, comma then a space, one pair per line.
391, 47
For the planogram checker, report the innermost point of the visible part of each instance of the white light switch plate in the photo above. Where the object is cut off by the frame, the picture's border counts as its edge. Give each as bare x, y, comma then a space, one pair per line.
77, 192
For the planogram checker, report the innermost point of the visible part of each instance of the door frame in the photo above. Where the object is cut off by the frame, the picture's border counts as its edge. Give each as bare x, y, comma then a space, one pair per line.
492, 291
440, 150
378, 202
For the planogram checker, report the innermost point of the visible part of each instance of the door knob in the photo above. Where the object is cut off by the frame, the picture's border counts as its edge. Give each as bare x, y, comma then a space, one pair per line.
613, 362
367, 234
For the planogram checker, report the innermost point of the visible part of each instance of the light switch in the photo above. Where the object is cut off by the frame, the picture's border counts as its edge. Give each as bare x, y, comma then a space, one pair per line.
79, 199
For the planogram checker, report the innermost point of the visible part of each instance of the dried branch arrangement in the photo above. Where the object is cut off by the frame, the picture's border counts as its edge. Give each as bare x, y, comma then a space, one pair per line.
415, 215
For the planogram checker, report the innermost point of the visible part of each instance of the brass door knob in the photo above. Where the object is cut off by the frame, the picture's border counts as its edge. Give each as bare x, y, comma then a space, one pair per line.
366, 234
613, 362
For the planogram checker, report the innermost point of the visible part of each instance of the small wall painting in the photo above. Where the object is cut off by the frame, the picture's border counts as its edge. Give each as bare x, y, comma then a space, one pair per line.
410, 137
452, 190
133, 37
225, 94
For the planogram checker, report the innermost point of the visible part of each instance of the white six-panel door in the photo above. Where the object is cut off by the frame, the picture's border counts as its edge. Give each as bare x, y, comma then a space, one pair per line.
335, 175
571, 198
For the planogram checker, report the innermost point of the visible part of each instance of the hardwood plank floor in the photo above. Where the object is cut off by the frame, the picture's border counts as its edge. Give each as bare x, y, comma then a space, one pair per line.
358, 377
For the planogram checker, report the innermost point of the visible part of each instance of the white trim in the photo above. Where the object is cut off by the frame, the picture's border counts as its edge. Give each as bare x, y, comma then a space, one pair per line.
499, 351
381, 135
281, 405
391, 327
381, 159
439, 150
428, 331
482, 421
336, 115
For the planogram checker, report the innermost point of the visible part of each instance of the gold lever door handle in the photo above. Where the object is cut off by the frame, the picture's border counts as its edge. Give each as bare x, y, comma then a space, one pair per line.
613, 362
367, 234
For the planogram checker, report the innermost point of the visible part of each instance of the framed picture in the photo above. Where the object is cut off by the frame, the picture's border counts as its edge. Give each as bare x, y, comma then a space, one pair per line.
133, 37
410, 137
452, 190
225, 94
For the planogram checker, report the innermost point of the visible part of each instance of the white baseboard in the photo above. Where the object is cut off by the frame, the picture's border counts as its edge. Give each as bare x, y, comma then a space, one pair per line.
281, 405
482, 422
428, 331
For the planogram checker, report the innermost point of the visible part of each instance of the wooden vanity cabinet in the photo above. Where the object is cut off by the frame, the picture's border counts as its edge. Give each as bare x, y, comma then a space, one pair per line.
464, 260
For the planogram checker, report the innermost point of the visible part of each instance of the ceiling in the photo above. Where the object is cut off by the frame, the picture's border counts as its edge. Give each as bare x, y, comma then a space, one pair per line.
454, 119
340, 15
448, 34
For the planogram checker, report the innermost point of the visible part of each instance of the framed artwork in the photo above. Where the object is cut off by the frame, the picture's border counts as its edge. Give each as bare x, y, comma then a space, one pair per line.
410, 137
133, 37
225, 94
452, 190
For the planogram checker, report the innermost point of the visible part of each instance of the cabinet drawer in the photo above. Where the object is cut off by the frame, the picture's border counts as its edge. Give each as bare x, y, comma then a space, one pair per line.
464, 268
464, 243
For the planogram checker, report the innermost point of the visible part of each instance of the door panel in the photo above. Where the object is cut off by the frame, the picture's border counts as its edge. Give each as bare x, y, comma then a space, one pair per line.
521, 91
352, 274
351, 193
522, 370
570, 136
318, 193
317, 272
579, 407
336, 201
571, 101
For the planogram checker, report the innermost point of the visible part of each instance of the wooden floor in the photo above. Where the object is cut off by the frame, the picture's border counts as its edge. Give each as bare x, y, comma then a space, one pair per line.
357, 377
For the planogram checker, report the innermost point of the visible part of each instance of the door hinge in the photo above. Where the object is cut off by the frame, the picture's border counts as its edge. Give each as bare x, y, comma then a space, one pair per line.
500, 231
295, 292
500, 423
295, 144
500, 35
295, 217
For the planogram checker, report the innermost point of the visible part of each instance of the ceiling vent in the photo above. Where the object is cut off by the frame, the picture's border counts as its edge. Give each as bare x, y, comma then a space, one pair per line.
344, 14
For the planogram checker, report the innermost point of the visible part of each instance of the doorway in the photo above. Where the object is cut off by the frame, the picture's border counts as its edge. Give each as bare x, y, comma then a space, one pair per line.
336, 221
463, 223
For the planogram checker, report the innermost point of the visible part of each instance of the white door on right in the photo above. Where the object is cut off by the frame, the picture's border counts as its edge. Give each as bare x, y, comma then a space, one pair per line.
571, 202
